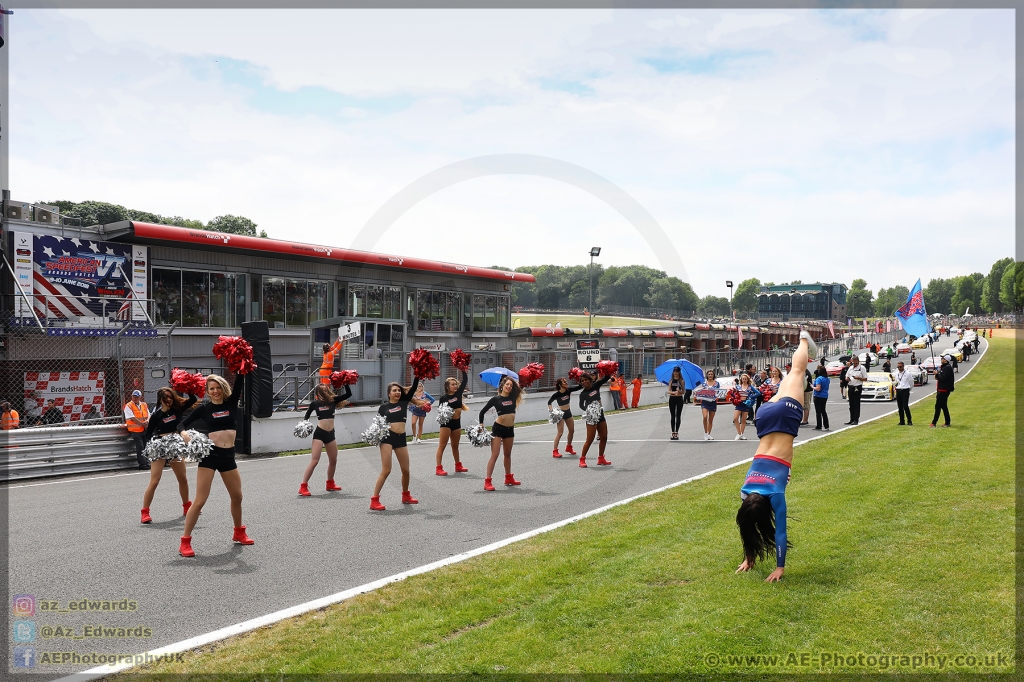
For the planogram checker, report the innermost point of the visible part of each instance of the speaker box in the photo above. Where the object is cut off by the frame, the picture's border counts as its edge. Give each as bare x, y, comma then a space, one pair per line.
261, 381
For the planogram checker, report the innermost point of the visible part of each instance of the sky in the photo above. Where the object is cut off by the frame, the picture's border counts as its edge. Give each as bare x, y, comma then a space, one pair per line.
819, 145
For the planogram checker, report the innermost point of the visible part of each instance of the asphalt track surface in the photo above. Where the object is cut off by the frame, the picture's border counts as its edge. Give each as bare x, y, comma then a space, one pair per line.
81, 538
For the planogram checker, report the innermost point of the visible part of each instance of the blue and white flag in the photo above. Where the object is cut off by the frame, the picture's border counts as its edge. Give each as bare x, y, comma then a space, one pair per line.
912, 315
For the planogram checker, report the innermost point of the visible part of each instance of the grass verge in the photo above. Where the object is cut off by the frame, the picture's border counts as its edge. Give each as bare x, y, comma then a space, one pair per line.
903, 547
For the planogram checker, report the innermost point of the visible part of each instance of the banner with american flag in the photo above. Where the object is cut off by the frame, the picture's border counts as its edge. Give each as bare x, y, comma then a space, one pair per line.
831, 328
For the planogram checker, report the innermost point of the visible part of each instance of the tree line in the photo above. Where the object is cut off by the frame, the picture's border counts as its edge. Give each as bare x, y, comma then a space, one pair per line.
103, 213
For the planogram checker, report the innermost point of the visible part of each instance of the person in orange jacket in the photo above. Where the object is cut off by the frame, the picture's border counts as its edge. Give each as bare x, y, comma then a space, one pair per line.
622, 390
10, 418
637, 383
327, 366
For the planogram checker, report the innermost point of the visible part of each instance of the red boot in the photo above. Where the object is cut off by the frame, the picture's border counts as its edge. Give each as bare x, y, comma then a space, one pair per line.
556, 453
375, 504
241, 538
186, 547
583, 462
510, 479
488, 485
304, 490
331, 487
407, 498
146, 518
440, 471
184, 507
460, 468
602, 461
568, 449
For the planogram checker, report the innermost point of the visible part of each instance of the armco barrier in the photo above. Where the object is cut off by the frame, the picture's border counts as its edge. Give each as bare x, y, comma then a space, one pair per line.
42, 452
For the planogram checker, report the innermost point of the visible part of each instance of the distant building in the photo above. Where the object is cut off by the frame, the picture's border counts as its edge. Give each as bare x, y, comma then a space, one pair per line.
803, 302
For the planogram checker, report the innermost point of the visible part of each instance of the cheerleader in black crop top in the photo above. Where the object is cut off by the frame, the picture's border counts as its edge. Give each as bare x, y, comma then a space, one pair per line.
503, 432
219, 415
592, 394
562, 397
394, 411
452, 431
162, 422
324, 404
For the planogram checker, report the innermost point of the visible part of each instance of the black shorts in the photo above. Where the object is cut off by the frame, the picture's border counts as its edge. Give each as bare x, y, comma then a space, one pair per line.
567, 415
602, 420
323, 436
395, 440
219, 459
499, 431
453, 424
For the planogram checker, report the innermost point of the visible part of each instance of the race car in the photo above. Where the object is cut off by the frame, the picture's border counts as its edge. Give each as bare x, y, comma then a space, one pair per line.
834, 368
920, 343
903, 348
879, 386
930, 364
955, 353
868, 354
919, 374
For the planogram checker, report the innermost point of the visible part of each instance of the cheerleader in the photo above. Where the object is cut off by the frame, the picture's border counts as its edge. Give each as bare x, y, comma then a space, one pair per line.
219, 415
762, 514
452, 431
561, 397
742, 398
592, 394
394, 412
164, 422
324, 403
504, 430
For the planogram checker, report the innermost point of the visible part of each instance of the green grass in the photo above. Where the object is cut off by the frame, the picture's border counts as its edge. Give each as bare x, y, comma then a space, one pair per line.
903, 546
531, 320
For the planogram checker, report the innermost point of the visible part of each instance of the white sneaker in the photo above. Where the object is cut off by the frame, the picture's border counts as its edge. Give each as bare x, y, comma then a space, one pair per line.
742, 437
415, 440
812, 348
710, 437
706, 436
737, 437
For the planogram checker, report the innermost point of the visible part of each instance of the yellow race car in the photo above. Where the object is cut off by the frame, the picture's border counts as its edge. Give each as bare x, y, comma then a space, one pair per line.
955, 353
879, 386
919, 343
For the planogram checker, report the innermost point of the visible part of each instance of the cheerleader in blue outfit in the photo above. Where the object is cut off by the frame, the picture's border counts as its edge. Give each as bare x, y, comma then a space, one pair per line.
762, 514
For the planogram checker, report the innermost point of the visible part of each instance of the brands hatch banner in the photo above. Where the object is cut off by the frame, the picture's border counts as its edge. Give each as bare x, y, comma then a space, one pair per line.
74, 393
81, 277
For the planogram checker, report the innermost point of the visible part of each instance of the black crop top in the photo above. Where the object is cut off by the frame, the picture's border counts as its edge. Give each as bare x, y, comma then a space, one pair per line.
454, 401
326, 410
592, 394
563, 397
219, 417
161, 423
396, 412
501, 404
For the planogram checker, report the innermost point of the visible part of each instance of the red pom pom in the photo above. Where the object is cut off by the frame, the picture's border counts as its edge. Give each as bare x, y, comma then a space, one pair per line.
184, 382
607, 368
236, 353
345, 377
530, 373
424, 365
575, 373
460, 359
426, 408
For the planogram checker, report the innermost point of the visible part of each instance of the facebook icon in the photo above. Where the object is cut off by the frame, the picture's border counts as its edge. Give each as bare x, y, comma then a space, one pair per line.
24, 657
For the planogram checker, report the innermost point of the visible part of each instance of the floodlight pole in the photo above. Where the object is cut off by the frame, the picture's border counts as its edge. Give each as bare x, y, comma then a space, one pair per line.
594, 251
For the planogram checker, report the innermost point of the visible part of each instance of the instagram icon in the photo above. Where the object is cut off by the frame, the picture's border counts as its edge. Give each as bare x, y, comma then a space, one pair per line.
24, 605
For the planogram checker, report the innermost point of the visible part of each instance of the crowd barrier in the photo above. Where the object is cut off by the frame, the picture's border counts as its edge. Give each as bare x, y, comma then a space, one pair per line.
62, 450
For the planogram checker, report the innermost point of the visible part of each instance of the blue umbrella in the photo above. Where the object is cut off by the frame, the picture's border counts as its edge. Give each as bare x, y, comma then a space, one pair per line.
692, 374
492, 376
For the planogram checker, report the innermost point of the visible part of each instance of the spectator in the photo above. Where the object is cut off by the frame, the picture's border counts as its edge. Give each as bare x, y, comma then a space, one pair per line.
10, 419
842, 379
613, 354
821, 386
759, 380
53, 414
613, 387
34, 410
637, 383
855, 377
136, 418
904, 382
623, 384
93, 413
370, 353
886, 367
808, 392
913, 358
944, 386
952, 360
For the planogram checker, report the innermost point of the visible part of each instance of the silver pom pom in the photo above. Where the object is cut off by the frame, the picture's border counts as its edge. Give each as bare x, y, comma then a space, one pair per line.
444, 414
594, 413
377, 431
555, 416
199, 446
304, 429
167, 447
479, 436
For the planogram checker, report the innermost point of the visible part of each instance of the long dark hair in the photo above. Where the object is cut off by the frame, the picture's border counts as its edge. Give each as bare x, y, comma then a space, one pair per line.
516, 393
177, 402
324, 393
756, 520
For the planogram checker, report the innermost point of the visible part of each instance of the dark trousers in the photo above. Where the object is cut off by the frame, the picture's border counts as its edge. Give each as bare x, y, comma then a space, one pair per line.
941, 404
757, 406
140, 444
675, 410
853, 393
819, 411
903, 405
615, 400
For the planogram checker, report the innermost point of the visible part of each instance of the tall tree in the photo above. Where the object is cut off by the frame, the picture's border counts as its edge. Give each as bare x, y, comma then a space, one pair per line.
745, 298
938, 295
889, 300
859, 299
713, 306
990, 302
1010, 289
234, 224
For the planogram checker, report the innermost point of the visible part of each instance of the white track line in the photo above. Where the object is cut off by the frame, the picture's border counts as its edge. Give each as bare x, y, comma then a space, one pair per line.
298, 610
